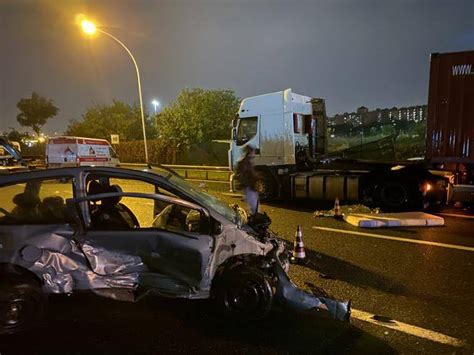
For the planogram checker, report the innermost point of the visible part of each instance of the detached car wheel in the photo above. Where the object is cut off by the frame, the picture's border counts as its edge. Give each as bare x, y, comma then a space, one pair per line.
22, 304
244, 293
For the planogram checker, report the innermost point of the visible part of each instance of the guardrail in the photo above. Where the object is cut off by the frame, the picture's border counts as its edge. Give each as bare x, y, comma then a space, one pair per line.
219, 174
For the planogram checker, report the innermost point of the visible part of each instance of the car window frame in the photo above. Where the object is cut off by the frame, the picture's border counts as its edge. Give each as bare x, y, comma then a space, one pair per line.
74, 203
151, 177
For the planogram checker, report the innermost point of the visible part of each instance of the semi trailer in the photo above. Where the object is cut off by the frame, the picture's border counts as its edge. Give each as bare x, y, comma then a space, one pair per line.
289, 134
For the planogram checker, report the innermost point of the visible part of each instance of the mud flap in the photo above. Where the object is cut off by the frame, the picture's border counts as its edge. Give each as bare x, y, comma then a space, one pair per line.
291, 297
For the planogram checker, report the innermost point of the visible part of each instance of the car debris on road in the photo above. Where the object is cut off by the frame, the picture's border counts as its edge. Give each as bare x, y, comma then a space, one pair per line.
345, 210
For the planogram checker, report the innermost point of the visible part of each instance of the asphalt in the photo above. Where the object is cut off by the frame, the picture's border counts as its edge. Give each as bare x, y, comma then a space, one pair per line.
427, 286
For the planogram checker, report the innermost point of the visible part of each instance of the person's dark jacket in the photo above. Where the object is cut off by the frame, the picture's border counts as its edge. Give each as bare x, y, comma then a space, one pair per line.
246, 174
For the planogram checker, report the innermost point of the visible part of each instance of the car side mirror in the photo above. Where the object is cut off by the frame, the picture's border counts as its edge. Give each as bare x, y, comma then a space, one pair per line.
216, 227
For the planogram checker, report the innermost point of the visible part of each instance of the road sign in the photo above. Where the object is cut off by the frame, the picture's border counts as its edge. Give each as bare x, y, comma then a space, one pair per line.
114, 139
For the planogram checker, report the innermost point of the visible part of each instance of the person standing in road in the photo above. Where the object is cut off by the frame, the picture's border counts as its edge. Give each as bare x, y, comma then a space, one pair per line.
248, 178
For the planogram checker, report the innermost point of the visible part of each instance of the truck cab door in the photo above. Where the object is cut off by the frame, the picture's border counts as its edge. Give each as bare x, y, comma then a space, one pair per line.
247, 132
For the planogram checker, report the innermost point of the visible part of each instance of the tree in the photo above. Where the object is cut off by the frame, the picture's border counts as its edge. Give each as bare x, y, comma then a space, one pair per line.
198, 116
14, 135
100, 121
35, 111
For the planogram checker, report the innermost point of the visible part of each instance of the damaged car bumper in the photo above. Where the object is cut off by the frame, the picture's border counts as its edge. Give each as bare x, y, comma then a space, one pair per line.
290, 297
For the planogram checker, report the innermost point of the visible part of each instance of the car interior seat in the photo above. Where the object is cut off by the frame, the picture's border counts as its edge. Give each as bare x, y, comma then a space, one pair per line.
110, 213
53, 209
26, 208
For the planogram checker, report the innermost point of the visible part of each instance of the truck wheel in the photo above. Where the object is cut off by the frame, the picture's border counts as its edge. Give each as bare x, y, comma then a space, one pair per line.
22, 304
265, 185
244, 293
393, 195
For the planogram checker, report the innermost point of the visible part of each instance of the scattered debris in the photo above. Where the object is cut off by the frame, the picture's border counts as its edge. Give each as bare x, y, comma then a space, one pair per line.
402, 219
345, 210
383, 319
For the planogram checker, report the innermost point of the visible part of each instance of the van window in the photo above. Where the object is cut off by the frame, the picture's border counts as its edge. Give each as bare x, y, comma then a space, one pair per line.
247, 129
113, 154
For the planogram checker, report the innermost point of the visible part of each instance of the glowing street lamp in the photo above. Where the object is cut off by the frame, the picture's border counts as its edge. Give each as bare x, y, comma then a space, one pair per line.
155, 104
89, 28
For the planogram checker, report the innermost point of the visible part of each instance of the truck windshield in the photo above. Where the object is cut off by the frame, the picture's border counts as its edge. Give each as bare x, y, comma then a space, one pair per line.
247, 129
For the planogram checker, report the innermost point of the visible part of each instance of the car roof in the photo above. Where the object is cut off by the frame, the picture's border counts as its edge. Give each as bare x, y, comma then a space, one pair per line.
71, 171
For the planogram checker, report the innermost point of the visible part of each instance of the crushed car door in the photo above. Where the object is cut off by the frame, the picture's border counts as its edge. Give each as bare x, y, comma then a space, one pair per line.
127, 234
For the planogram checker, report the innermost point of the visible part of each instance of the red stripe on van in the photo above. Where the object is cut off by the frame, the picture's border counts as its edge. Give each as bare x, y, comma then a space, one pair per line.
93, 142
62, 141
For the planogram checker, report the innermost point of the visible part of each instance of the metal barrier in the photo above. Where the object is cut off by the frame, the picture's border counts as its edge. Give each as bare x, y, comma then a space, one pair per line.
219, 174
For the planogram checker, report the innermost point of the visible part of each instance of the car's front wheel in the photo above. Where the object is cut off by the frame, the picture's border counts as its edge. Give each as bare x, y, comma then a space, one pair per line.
244, 293
22, 304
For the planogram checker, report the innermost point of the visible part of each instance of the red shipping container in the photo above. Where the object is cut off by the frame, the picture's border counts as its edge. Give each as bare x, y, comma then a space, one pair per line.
450, 121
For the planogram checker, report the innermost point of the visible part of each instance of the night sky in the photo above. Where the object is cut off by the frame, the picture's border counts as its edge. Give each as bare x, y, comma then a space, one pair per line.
351, 52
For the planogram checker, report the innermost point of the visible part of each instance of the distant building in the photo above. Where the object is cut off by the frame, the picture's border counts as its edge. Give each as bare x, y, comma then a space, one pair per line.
363, 116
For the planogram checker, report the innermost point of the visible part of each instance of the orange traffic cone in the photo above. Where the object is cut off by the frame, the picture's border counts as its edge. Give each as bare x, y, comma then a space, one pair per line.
337, 209
299, 255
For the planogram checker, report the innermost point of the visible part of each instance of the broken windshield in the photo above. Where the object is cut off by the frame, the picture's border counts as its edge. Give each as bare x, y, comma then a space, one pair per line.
206, 200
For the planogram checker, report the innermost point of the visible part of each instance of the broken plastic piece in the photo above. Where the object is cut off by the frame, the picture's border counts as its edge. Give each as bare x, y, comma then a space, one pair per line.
290, 296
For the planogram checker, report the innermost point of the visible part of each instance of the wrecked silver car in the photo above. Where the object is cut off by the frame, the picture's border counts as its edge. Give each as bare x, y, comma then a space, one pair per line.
125, 233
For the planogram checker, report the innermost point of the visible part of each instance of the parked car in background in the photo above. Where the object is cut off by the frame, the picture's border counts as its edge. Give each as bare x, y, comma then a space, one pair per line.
67, 151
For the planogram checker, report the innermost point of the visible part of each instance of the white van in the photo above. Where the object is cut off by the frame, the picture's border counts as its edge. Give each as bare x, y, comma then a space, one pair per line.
63, 151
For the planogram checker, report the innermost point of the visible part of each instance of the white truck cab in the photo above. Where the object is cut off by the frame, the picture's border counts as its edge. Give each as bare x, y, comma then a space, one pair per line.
278, 125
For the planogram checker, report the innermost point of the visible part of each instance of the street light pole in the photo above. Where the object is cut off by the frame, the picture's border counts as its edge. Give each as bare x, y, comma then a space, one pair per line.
139, 86
89, 28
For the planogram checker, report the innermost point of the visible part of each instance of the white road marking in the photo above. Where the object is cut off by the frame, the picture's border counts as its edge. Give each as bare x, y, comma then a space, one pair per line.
409, 329
456, 215
398, 239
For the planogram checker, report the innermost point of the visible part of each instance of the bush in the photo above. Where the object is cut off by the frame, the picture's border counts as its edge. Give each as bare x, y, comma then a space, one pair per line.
214, 154
158, 152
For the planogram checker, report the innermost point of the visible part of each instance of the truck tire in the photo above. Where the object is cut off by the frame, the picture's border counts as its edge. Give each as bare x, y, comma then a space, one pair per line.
265, 185
393, 196
243, 293
22, 304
